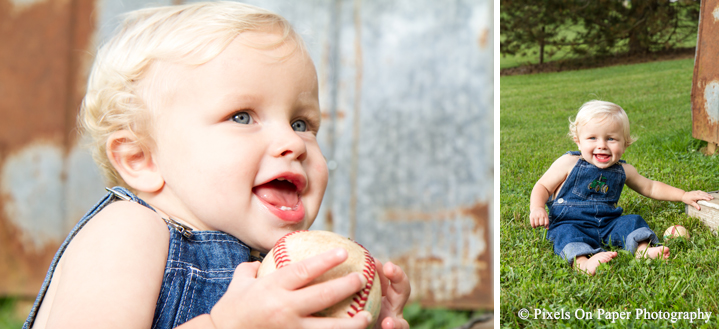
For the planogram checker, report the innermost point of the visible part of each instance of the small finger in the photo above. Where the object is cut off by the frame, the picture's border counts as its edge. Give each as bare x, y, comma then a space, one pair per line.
359, 321
299, 274
544, 222
387, 323
392, 323
318, 297
384, 283
393, 272
244, 275
399, 279
247, 270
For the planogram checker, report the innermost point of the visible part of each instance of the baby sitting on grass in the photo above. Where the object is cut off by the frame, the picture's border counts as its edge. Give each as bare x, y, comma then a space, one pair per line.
585, 186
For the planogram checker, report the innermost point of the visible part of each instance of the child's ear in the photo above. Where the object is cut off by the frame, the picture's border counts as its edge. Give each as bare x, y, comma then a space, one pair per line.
133, 162
576, 140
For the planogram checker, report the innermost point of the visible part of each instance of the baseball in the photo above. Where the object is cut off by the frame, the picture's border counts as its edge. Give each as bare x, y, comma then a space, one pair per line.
299, 245
676, 231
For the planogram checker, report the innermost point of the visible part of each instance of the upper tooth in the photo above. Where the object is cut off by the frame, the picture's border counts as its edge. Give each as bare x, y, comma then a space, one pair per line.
281, 178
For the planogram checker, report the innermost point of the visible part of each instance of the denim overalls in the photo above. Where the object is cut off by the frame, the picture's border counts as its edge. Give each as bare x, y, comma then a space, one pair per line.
584, 215
200, 265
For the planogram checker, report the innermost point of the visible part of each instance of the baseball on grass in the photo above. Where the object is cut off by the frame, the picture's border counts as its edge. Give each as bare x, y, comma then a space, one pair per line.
676, 231
299, 245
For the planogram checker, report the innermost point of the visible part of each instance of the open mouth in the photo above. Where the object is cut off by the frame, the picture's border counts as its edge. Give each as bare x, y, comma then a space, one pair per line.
281, 196
602, 157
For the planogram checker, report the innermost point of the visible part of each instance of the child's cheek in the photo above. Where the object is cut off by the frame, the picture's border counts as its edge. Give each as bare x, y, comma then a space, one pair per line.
322, 172
321, 167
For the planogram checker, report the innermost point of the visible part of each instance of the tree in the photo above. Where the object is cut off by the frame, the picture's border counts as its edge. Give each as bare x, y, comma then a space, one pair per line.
634, 26
595, 26
532, 26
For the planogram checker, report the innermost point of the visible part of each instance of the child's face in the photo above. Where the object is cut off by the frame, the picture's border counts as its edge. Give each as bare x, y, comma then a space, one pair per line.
236, 143
601, 141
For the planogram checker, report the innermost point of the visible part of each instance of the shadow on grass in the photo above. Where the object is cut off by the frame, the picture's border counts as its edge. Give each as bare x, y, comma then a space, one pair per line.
599, 61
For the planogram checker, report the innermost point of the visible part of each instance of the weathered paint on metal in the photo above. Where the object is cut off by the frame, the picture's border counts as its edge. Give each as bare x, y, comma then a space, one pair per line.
406, 94
451, 261
32, 183
425, 144
43, 53
705, 86
419, 84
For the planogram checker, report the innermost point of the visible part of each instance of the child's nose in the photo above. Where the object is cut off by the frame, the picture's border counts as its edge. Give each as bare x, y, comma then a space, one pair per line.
287, 143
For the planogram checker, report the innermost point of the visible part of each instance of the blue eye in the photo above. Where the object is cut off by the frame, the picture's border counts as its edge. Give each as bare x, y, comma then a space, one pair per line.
299, 125
242, 118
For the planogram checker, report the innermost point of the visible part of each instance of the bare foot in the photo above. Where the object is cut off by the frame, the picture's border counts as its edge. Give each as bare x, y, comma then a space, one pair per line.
589, 265
652, 252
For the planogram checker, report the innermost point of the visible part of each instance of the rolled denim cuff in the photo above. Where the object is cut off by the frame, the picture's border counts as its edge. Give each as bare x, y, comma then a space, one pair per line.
640, 235
576, 249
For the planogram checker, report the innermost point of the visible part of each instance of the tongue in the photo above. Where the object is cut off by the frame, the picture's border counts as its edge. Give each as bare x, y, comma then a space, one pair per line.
278, 193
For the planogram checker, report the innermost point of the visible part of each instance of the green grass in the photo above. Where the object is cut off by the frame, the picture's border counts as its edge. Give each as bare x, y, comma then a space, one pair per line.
507, 61
534, 116
9, 315
436, 318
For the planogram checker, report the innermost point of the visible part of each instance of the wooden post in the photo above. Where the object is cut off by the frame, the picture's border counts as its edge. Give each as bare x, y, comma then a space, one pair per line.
711, 148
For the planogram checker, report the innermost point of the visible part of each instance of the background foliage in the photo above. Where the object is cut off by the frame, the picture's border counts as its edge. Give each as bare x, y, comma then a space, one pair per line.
595, 27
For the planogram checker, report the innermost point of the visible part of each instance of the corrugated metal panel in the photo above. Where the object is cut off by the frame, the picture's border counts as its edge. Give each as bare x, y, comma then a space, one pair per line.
406, 92
43, 51
705, 86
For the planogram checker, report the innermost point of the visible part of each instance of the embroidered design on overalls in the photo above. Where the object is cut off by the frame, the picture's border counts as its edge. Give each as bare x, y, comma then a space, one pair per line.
599, 185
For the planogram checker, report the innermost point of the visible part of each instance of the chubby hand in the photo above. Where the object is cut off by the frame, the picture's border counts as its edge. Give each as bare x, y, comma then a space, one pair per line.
282, 299
538, 217
692, 197
395, 293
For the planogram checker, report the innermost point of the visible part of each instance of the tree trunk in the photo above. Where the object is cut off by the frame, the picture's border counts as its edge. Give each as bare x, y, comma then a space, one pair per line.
639, 34
637, 39
541, 47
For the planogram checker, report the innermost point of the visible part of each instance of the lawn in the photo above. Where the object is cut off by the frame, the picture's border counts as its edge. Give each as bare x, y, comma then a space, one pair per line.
534, 116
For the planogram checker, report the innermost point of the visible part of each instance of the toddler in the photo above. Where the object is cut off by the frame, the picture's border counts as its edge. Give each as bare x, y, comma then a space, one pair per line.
585, 186
206, 116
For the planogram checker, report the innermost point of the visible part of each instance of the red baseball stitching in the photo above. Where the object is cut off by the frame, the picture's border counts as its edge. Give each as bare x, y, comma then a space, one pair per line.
360, 299
280, 254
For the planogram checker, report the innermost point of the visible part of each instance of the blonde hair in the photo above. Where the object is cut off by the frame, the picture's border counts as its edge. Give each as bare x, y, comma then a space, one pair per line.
191, 34
601, 110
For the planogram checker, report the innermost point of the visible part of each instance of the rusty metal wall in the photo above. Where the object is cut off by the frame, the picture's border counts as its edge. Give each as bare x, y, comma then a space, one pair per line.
705, 86
407, 97
43, 179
